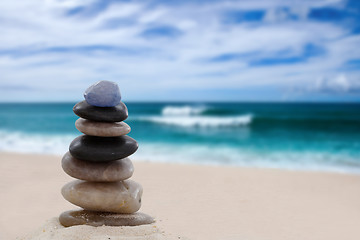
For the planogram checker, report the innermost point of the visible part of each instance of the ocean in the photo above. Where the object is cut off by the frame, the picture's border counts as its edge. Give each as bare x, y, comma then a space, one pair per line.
304, 136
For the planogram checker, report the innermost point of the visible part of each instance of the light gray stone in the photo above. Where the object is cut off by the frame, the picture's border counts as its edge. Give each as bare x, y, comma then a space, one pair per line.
117, 197
117, 170
102, 129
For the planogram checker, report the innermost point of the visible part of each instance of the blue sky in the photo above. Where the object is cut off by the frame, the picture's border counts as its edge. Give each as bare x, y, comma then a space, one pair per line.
249, 50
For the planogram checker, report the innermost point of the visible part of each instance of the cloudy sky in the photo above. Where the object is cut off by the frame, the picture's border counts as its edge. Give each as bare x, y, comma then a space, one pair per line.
246, 50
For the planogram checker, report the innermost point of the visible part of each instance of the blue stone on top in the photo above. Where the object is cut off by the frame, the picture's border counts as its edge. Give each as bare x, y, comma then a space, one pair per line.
103, 94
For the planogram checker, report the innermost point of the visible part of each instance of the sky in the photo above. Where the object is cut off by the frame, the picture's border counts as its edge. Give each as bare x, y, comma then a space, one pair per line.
246, 50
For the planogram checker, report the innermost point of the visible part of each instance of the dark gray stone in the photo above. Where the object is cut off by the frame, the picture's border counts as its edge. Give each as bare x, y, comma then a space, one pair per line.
101, 114
102, 149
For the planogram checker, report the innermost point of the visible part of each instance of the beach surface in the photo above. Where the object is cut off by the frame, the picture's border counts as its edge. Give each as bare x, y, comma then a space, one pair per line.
194, 202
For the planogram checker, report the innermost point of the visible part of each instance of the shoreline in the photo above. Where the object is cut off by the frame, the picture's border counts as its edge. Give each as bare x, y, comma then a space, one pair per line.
197, 201
208, 164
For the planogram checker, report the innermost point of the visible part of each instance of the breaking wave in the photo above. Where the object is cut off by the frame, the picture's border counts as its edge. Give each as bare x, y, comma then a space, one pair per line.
182, 110
194, 116
199, 121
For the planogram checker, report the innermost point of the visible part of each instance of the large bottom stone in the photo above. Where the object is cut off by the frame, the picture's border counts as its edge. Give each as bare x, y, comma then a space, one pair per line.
96, 219
117, 197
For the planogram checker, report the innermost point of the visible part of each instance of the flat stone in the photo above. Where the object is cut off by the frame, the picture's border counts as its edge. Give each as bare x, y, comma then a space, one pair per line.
101, 114
117, 170
102, 149
103, 94
96, 219
102, 129
117, 197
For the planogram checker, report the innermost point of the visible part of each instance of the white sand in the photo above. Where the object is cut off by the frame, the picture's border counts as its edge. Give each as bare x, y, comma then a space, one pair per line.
197, 202
52, 229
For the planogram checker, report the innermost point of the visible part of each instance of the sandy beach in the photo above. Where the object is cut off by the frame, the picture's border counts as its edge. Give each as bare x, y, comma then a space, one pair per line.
196, 202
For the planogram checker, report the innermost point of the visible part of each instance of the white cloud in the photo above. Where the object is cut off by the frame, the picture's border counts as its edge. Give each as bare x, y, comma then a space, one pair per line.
119, 10
170, 63
151, 16
337, 84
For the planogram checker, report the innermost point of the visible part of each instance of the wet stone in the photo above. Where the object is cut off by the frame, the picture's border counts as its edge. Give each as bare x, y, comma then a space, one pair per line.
102, 129
117, 197
117, 170
117, 113
103, 94
96, 219
102, 149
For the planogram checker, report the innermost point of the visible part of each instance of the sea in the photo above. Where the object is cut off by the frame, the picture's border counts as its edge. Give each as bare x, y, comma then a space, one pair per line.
295, 136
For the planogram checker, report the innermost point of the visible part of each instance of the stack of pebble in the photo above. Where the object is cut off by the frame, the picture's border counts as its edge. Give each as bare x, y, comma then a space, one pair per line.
99, 159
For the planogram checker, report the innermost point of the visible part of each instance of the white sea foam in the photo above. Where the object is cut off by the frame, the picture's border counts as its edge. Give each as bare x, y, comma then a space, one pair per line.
200, 121
191, 153
34, 143
225, 155
182, 110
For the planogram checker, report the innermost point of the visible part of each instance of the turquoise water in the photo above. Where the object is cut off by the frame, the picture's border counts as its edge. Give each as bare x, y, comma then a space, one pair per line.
281, 135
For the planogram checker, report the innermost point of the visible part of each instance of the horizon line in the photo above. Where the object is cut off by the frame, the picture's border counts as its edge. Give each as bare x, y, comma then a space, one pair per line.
192, 102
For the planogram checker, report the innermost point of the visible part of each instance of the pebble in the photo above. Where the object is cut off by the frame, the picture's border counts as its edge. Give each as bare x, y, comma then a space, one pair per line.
102, 149
102, 129
117, 113
96, 219
117, 170
103, 94
117, 197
